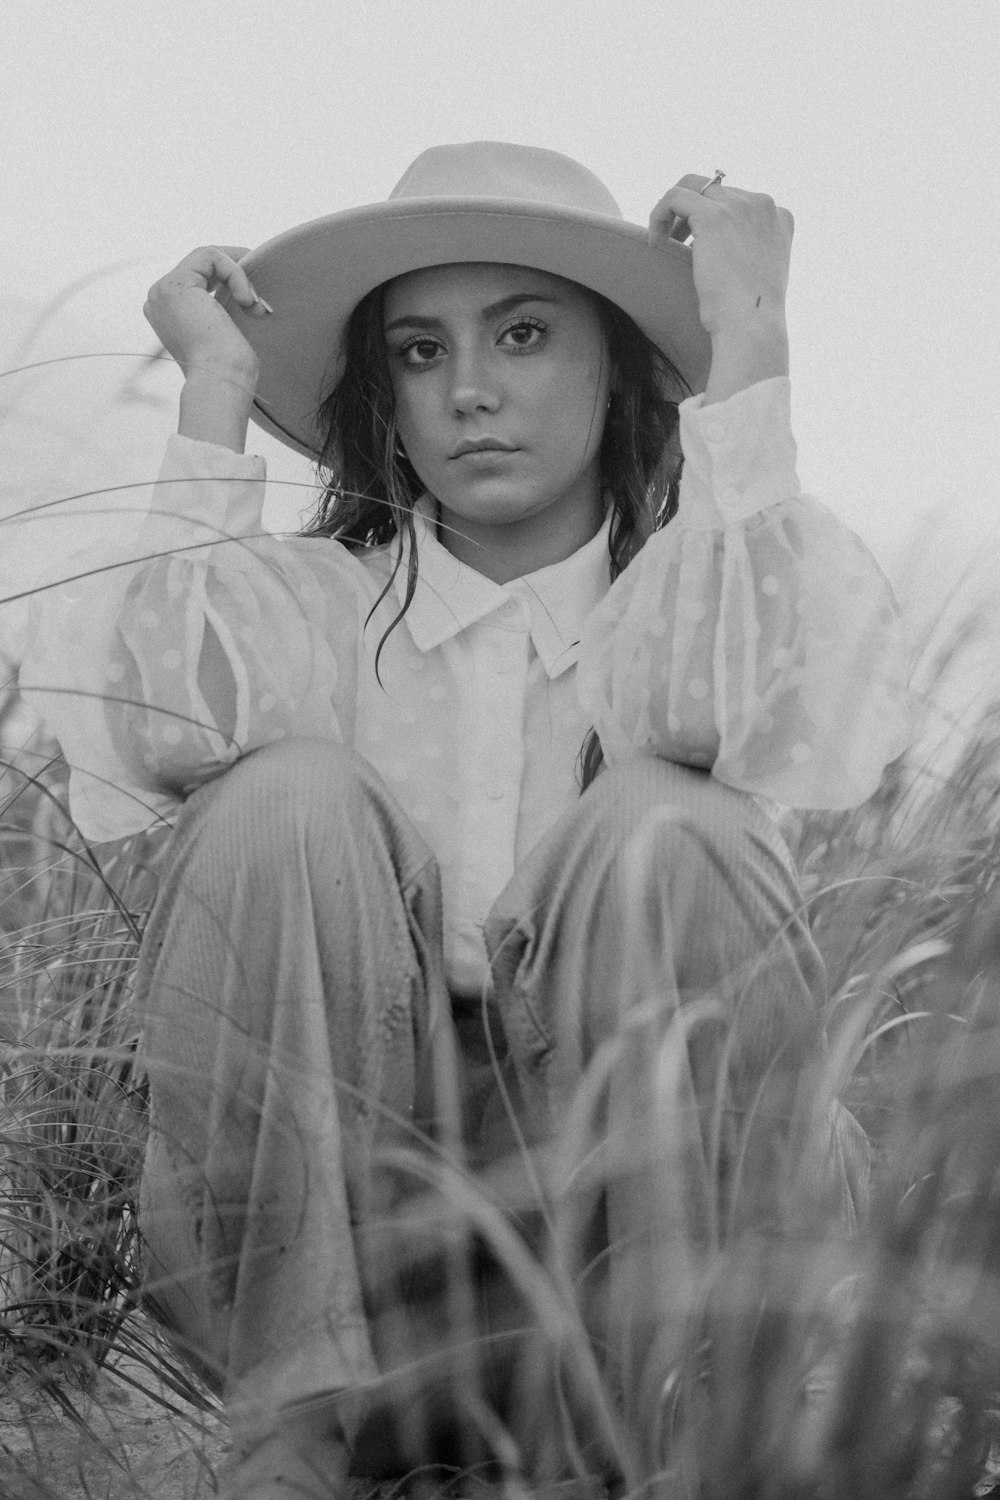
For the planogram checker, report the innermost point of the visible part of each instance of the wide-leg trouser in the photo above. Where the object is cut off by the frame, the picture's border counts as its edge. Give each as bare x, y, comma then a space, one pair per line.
298, 1030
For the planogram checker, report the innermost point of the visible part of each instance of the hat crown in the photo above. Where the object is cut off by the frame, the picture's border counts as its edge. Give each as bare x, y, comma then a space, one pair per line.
496, 169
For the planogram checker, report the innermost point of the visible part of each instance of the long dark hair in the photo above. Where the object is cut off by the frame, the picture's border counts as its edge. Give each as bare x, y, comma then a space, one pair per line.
370, 487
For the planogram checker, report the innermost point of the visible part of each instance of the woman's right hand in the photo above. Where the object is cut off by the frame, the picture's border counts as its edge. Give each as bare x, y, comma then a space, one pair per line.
192, 325
219, 364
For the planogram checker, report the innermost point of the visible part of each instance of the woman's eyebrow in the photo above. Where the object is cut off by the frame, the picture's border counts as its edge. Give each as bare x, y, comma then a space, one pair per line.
494, 310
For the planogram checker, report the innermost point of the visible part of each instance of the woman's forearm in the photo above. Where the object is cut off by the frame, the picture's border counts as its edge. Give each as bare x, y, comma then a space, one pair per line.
215, 406
743, 356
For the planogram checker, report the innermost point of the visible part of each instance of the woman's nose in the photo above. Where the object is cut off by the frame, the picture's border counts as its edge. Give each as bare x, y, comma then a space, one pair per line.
473, 389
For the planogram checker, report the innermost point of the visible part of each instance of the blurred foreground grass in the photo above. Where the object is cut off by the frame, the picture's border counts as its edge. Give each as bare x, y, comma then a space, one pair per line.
799, 1361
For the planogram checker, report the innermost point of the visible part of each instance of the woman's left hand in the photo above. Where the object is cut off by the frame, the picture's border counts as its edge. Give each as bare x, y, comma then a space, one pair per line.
740, 246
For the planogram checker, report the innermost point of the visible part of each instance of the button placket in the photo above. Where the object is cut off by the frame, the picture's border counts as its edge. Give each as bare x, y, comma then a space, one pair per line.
499, 751
502, 704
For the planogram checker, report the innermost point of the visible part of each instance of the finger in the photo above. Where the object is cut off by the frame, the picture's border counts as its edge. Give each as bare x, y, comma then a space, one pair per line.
671, 218
208, 268
258, 307
230, 274
694, 181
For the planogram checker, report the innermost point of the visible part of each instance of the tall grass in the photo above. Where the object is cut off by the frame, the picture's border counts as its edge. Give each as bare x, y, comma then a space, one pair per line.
797, 1360
72, 1100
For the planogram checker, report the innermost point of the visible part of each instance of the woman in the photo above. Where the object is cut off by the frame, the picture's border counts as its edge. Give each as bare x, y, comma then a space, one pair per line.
388, 910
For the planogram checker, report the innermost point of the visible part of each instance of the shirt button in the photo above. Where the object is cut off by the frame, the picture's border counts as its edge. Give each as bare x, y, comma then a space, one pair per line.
503, 667
496, 792
509, 608
731, 496
715, 432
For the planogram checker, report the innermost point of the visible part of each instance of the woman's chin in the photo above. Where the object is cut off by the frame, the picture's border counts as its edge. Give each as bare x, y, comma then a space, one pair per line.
490, 510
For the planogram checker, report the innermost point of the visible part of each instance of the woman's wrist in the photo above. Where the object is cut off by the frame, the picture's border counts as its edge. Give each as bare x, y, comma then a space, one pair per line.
743, 355
215, 405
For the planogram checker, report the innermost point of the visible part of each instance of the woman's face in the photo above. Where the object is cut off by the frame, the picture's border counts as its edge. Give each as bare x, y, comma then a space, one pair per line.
501, 378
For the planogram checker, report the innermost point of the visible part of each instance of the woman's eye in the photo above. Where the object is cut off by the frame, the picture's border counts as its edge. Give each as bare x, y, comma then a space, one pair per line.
524, 334
419, 351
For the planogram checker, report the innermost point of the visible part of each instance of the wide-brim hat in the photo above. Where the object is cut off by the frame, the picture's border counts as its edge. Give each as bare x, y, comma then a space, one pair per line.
483, 201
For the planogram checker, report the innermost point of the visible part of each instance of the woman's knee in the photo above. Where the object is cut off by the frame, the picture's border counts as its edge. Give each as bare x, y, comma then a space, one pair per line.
308, 805
292, 790
302, 773
706, 874
649, 796
706, 856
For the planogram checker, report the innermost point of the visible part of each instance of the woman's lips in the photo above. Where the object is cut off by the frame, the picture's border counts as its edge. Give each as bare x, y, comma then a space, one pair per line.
484, 455
475, 447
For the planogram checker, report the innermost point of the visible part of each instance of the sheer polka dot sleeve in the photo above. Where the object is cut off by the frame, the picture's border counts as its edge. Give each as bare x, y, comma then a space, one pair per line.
199, 639
755, 634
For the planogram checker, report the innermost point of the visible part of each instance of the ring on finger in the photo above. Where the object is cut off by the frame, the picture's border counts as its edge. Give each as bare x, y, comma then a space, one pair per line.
714, 182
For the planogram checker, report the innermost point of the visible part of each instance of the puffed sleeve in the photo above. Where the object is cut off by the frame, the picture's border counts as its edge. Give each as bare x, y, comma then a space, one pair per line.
157, 663
755, 634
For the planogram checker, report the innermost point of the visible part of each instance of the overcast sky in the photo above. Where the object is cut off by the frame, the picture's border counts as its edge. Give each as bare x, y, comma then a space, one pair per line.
132, 132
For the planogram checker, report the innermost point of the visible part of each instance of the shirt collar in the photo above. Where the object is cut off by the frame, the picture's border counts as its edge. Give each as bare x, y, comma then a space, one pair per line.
450, 596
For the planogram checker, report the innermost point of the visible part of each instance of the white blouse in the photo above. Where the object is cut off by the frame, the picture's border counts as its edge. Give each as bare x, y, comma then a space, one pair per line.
754, 635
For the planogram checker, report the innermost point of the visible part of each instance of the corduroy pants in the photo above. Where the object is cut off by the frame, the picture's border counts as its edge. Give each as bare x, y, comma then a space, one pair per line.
313, 1085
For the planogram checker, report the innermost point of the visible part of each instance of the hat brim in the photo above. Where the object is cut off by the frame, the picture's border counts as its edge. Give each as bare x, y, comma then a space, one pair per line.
315, 275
